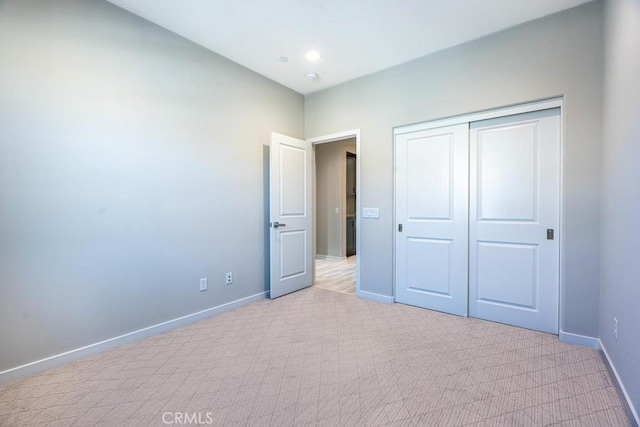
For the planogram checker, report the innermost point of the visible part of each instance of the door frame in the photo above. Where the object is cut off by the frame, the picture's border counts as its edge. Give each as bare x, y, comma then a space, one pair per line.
544, 104
354, 133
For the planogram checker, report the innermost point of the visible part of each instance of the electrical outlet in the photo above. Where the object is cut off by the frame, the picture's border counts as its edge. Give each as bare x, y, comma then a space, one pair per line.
228, 278
615, 329
203, 284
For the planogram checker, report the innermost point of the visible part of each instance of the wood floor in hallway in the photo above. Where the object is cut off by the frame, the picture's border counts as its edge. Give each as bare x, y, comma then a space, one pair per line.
337, 275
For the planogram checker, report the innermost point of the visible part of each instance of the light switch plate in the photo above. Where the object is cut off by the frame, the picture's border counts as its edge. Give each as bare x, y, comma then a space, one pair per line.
371, 213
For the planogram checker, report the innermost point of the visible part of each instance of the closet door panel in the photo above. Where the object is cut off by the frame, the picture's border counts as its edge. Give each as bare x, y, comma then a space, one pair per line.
432, 216
514, 220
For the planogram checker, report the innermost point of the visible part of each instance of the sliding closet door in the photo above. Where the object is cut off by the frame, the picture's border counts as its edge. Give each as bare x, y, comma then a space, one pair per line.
432, 177
514, 219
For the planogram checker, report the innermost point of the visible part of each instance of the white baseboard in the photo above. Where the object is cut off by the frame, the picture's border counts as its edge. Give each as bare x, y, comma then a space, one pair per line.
581, 340
375, 297
330, 257
38, 366
634, 411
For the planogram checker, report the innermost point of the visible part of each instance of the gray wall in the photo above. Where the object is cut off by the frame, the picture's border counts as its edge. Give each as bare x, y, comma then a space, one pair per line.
330, 179
557, 55
131, 165
331, 194
620, 289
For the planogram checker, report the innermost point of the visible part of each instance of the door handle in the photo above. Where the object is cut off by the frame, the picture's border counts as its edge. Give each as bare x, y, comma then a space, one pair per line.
278, 225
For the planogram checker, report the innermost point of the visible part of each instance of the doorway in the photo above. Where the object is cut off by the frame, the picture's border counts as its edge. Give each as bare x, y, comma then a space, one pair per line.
292, 219
336, 207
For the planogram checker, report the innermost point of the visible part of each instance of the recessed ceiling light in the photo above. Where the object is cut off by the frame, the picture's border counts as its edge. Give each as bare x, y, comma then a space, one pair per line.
313, 55
312, 76
283, 59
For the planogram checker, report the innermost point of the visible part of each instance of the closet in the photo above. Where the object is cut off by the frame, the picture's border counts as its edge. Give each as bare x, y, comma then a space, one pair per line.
477, 212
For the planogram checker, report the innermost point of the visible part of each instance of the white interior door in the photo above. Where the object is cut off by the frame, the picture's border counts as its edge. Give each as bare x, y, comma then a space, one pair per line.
432, 178
291, 214
514, 201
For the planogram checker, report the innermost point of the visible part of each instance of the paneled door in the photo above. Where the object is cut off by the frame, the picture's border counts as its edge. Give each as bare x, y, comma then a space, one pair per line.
432, 178
291, 214
514, 218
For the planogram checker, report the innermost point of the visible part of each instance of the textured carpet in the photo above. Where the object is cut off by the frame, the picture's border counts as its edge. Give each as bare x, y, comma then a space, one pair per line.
317, 357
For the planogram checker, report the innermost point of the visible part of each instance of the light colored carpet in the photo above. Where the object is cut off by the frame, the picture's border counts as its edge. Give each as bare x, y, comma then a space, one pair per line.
337, 275
323, 358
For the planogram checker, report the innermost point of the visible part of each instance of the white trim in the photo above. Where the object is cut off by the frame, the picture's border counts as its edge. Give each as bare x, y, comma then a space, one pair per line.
354, 133
385, 299
481, 115
358, 208
582, 340
394, 219
330, 257
38, 366
633, 410
335, 137
561, 233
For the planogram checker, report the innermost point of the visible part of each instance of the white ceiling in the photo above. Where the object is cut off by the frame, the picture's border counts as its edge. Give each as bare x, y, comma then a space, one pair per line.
354, 37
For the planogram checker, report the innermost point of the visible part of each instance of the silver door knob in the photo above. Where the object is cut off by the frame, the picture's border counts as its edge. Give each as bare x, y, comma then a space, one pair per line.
278, 225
